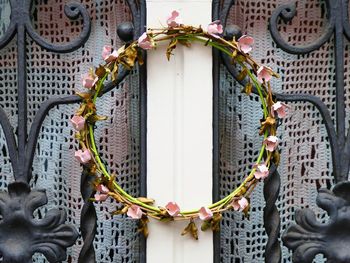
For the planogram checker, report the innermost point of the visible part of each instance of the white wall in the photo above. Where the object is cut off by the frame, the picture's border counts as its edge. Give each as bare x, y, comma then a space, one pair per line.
179, 134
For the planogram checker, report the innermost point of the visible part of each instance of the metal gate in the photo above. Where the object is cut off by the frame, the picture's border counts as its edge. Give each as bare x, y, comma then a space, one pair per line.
46, 45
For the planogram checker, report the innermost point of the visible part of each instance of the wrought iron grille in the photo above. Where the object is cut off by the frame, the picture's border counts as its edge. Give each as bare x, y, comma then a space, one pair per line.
310, 53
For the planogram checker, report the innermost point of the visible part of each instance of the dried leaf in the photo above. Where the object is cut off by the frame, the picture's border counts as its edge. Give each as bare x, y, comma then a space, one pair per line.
215, 224
265, 124
170, 48
248, 88
241, 76
122, 211
234, 54
100, 71
191, 228
143, 226
128, 57
206, 225
240, 58
115, 72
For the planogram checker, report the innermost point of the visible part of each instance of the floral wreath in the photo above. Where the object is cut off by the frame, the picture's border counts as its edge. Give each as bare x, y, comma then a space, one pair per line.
127, 56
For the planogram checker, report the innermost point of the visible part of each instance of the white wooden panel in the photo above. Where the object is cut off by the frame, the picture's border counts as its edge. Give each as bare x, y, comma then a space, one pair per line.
179, 134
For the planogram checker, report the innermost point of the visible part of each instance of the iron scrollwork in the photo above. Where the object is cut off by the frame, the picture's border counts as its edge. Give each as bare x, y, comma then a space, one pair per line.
21, 235
308, 237
302, 237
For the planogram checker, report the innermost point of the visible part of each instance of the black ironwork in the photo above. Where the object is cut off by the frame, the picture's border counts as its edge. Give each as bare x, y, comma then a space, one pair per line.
308, 237
21, 235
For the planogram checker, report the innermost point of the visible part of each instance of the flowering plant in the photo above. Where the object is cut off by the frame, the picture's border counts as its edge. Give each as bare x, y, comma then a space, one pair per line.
127, 56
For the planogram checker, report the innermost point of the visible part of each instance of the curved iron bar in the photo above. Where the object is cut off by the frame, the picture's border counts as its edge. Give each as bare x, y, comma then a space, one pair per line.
287, 13
72, 11
272, 221
49, 104
10, 140
346, 24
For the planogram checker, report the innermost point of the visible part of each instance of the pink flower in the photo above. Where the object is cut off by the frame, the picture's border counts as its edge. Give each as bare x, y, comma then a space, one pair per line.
78, 122
145, 42
173, 20
264, 74
271, 143
240, 205
134, 212
280, 108
205, 213
89, 80
261, 171
103, 195
172, 208
108, 55
100, 197
215, 28
245, 43
102, 189
83, 156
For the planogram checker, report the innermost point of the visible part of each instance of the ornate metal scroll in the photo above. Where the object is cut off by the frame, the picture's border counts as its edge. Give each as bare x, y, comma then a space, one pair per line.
308, 237
20, 234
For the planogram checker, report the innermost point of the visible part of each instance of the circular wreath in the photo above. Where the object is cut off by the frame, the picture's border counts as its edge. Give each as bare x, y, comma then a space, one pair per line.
176, 33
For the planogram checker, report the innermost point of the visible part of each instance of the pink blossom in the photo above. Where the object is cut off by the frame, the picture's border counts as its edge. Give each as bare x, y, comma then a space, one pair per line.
102, 189
173, 20
240, 205
145, 42
271, 143
101, 197
78, 122
245, 43
89, 80
134, 212
215, 28
280, 108
264, 74
108, 55
83, 156
172, 208
261, 171
205, 213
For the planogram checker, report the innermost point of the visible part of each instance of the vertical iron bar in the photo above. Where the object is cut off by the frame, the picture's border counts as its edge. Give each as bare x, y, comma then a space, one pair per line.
22, 102
339, 73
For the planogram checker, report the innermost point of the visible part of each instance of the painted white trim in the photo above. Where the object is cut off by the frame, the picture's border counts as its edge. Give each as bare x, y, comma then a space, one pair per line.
179, 134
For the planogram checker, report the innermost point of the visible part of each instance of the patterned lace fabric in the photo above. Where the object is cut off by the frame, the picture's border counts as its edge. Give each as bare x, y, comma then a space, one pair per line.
51, 75
306, 159
306, 162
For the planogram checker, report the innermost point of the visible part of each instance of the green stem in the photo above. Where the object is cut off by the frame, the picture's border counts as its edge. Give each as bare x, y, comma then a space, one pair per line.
192, 37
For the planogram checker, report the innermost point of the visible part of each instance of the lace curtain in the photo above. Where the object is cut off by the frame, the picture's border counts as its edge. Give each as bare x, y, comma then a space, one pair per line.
306, 164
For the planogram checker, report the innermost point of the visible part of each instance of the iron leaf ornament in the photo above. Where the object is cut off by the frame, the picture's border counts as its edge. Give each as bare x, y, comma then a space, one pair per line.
308, 237
21, 235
